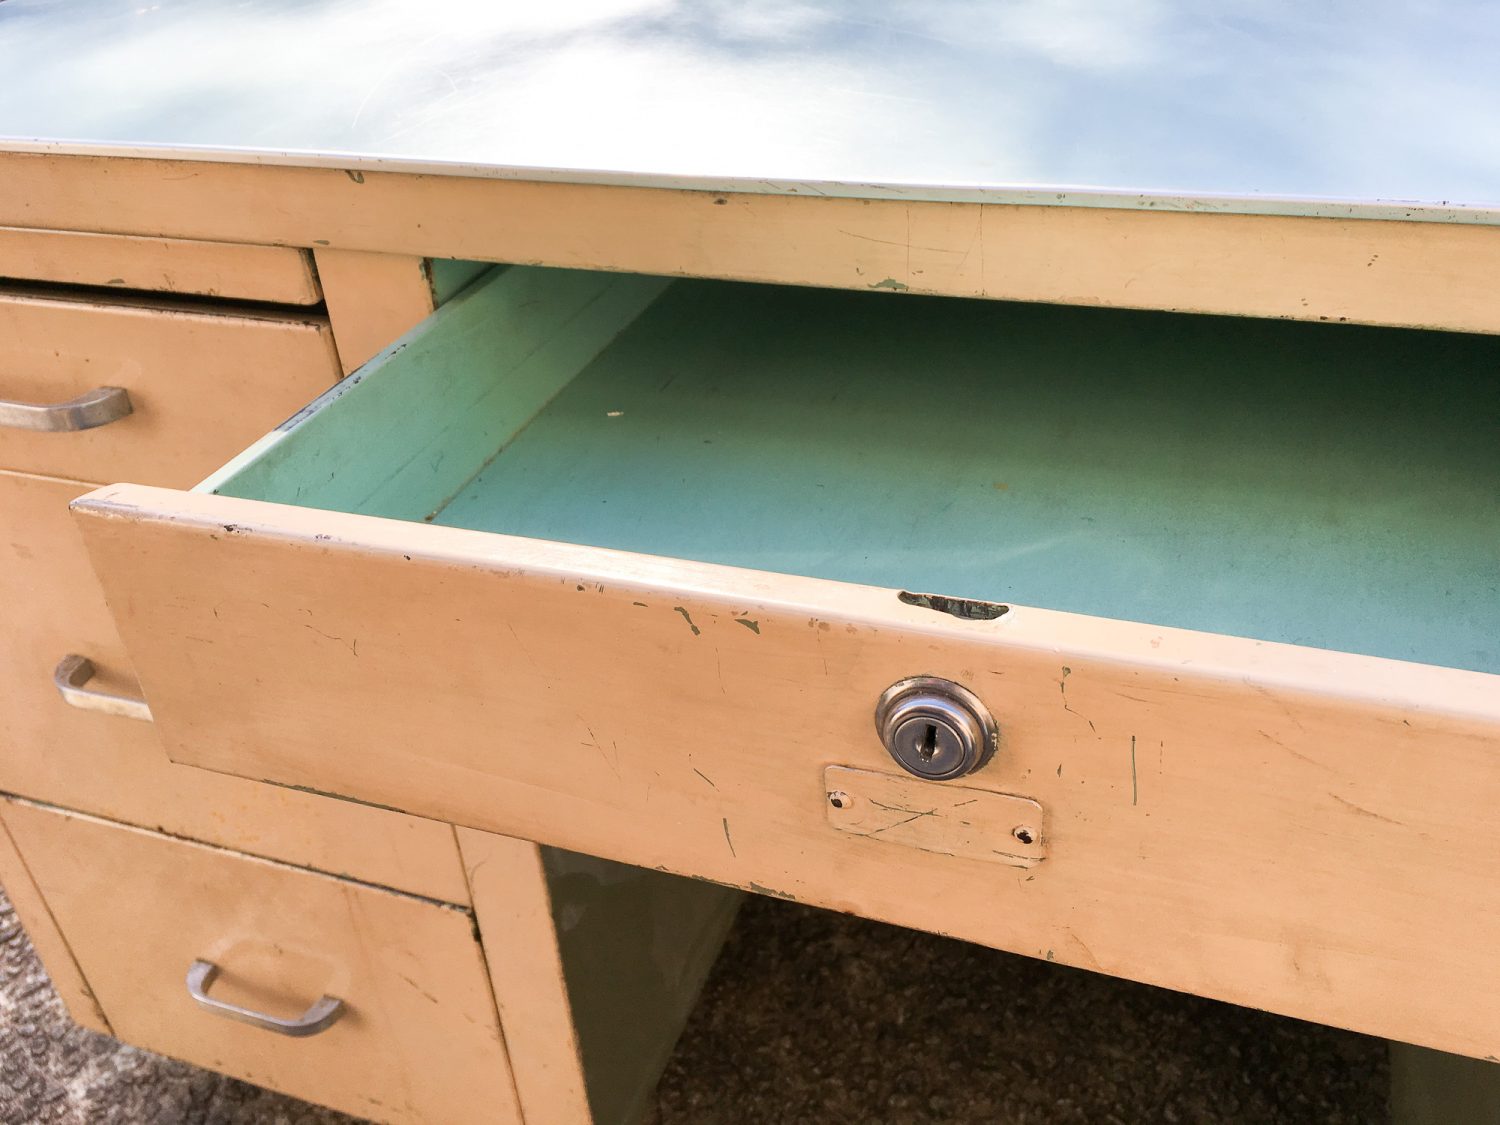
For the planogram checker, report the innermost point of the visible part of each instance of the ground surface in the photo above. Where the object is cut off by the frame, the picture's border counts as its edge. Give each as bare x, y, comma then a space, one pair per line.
816, 1017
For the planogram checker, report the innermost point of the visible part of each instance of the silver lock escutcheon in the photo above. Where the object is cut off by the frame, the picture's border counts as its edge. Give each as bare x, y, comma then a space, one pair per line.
935, 728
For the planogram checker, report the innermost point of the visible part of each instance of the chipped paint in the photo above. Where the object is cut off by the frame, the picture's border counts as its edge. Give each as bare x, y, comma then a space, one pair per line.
966, 609
688, 618
762, 889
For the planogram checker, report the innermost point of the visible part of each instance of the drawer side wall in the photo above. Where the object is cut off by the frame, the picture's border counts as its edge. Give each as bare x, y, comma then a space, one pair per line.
404, 433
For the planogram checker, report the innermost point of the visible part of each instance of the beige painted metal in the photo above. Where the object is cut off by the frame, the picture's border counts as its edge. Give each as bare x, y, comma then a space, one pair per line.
420, 1040
115, 767
514, 907
1304, 831
46, 938
950, 819
372, 299
202, 384
274, 274
1367, 271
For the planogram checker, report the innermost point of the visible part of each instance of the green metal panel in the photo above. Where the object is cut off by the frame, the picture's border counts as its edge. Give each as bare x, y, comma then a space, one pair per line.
450, 276
1432, 1088
636, 947
1323, 485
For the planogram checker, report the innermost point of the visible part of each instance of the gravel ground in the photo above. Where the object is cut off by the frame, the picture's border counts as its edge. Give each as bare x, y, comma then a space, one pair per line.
817, 1017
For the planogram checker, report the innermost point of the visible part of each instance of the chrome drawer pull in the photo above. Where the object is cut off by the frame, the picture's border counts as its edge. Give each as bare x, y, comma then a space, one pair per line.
320, 1017
97, 407
73, 671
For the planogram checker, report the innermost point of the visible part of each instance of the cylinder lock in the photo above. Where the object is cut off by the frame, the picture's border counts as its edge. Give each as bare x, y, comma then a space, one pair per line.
935, 728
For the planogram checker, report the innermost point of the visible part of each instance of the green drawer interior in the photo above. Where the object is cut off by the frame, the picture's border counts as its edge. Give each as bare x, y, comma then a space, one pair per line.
1318, 484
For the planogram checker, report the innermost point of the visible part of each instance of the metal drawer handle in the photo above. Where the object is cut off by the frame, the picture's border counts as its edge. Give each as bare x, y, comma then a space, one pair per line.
320, 1017
73, 671
98, 407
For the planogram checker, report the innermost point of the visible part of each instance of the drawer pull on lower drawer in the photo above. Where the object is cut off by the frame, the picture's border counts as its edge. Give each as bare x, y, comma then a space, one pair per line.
320, 1017
74, 671
97, 407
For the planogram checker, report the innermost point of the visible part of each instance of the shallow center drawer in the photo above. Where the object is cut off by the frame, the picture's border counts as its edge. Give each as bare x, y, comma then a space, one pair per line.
625, 566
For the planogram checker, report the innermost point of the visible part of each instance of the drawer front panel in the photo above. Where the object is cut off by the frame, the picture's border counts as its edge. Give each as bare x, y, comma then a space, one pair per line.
201, 385
115, 767
46, 939
1267, 824
274, 274
417, 1040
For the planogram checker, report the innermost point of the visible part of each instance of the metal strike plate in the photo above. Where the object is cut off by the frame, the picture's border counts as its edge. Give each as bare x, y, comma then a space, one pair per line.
949, 819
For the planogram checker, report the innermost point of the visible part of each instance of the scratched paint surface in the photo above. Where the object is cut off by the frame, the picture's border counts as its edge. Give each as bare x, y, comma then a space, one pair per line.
951, 820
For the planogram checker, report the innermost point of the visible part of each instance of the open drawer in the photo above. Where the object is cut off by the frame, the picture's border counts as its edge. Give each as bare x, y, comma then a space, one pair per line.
624, 566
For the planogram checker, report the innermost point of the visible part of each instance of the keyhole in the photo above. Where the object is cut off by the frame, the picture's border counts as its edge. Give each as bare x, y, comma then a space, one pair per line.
928, 746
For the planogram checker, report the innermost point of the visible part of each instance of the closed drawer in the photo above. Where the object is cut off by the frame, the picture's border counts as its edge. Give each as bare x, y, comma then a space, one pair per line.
115, 766
625, 568
273, 274
200, 384
416, 1037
